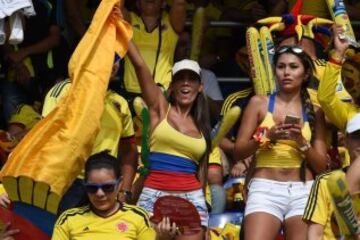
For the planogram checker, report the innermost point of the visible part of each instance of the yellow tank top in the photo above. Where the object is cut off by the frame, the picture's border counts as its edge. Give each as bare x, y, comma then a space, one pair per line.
166, 139
148, 44
285, 153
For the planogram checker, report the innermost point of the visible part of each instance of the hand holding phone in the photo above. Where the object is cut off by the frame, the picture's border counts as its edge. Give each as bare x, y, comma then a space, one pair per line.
291, 119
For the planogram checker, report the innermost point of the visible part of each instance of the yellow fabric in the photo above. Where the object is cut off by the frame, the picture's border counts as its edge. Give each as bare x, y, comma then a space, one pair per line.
345, 156
319, 208
338, 112
55, 150
317, 8
55, 94
147, 42
284, 153
340, 91
130, 222
115, 120
2, 189
25, 115
351, 76
115, 123
215, 156
181, 145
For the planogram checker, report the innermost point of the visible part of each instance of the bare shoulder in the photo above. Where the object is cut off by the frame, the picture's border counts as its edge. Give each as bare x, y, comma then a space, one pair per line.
258, 102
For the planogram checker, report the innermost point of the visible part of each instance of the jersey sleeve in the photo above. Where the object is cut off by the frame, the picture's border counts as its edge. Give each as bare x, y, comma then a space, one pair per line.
337, 111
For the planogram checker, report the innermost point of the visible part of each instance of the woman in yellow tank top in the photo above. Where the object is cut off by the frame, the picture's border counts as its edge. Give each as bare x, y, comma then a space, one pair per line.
179, 137
288, 151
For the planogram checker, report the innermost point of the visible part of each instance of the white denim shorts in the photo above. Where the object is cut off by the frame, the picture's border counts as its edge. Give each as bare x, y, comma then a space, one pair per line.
149, 196
281, 199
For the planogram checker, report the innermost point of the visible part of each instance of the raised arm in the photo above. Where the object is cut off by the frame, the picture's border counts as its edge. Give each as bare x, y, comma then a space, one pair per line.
178, 15
151, 93
336, 110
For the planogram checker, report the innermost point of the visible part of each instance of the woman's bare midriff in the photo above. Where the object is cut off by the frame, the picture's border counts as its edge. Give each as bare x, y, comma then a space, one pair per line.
281, 174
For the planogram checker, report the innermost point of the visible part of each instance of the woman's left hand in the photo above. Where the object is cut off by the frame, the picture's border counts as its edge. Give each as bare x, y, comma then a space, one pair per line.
295, 134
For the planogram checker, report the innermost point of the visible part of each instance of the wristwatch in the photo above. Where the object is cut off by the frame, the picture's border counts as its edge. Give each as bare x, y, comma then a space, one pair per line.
305, 147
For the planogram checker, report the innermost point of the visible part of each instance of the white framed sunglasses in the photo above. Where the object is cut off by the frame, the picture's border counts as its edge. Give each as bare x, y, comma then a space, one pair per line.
294, 49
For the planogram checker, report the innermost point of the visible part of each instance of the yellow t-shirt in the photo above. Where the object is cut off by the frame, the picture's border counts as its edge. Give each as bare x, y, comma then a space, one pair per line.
337, 111
116, 121
130, 222
319, 208
25, 115
316, 8
148, 44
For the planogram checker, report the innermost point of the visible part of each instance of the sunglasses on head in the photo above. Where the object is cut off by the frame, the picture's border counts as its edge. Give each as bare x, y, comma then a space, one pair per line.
293, 49
105, 187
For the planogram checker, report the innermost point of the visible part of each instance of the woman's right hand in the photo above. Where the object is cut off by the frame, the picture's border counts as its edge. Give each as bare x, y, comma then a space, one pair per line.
340, 43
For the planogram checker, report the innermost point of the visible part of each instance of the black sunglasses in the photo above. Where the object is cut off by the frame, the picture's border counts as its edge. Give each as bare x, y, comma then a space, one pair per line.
92, 188
293, 49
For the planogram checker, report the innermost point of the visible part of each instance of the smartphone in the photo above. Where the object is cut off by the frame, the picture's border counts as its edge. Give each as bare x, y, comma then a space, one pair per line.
291, 119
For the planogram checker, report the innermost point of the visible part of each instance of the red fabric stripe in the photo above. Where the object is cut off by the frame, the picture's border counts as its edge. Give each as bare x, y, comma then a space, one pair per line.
172, 181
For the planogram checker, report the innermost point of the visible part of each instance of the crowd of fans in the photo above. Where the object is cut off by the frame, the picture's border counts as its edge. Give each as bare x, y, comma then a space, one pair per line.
285, 144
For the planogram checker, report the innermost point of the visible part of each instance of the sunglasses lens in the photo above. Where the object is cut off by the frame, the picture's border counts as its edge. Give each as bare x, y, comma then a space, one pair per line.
293, 49
91, 188
108, 187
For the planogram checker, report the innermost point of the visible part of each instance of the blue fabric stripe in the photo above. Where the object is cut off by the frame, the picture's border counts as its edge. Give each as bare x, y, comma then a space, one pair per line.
271, 102
39, 217
168, 162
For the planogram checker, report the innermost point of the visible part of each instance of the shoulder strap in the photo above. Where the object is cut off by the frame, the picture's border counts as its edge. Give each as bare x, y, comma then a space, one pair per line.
271, 102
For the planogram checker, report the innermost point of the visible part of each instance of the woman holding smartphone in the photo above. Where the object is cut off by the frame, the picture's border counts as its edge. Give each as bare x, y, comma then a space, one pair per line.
285, 133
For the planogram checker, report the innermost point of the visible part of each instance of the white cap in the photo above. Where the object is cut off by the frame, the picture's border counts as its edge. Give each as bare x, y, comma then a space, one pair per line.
186, 64
353, 124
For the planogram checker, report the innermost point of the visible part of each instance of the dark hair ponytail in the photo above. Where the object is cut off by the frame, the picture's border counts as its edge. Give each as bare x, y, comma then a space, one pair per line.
306, 103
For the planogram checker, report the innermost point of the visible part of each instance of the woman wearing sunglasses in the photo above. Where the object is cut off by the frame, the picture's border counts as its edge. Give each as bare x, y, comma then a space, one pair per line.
104, 217
285, 133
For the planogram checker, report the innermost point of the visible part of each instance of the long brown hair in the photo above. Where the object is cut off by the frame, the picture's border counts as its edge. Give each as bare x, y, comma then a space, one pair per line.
309, 68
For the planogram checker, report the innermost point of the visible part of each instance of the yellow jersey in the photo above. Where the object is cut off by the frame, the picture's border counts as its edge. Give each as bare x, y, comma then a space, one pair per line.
337, 111
25, 115
148, 44
128, 223
319, 208
116, 121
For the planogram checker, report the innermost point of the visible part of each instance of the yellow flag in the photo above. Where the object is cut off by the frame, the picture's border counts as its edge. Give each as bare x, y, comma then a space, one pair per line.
52, 154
